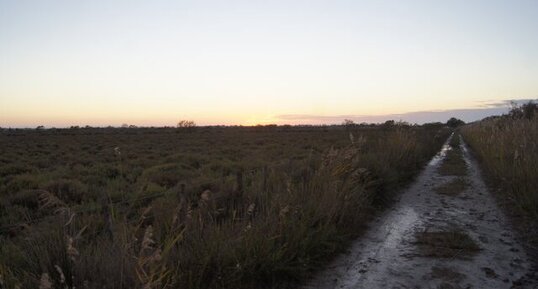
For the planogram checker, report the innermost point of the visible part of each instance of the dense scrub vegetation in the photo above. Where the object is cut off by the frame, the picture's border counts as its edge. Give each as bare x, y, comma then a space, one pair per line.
508, 149
207, 207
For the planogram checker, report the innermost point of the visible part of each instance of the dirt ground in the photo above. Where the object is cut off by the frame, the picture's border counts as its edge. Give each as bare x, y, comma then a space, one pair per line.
445, 232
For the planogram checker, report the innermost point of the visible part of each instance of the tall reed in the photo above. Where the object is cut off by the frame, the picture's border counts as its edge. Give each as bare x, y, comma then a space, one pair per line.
508, 148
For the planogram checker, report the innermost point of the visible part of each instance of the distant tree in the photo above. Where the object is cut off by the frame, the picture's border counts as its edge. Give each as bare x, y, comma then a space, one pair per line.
433, 125
389, 123
402, 123
527, 110
348, 122
454, 122
186, 124
40, 127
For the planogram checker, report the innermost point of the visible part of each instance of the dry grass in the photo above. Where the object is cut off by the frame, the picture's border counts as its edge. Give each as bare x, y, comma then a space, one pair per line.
507, 147
445, 244
244, 207
453, 187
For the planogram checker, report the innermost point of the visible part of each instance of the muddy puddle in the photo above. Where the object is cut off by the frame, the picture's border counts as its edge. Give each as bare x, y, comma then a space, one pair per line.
434, 240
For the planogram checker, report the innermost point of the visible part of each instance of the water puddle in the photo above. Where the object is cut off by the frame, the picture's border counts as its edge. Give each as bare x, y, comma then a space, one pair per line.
407, 218
442, 153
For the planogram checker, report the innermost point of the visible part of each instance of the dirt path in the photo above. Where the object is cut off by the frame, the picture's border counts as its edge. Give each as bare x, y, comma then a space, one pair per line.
445, 232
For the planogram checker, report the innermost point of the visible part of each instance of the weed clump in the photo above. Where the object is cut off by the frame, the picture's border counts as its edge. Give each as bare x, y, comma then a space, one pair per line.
453, 187
454, 164
446, 273
445, 244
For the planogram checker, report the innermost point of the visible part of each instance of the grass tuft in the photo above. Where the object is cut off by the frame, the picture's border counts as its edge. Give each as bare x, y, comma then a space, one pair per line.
453, 164
453, 187
445, 244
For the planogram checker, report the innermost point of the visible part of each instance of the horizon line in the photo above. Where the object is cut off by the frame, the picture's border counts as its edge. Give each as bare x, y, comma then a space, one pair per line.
413, 117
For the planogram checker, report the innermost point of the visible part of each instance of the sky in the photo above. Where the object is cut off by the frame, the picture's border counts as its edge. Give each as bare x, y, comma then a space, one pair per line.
252, 62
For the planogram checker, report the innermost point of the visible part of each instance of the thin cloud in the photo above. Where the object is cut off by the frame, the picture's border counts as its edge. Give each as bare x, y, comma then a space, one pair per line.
504, 103
488, 108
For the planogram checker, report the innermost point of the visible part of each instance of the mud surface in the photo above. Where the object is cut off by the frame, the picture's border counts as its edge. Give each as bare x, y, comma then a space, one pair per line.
388, 256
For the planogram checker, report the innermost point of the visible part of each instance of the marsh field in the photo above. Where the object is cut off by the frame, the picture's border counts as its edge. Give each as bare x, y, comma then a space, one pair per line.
203, 207
269, 206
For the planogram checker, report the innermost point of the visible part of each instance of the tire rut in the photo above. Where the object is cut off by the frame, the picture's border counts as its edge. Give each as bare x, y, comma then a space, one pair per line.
408, 246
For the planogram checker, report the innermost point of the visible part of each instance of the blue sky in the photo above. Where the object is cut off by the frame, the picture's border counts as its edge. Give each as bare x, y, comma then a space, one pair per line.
246, 62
